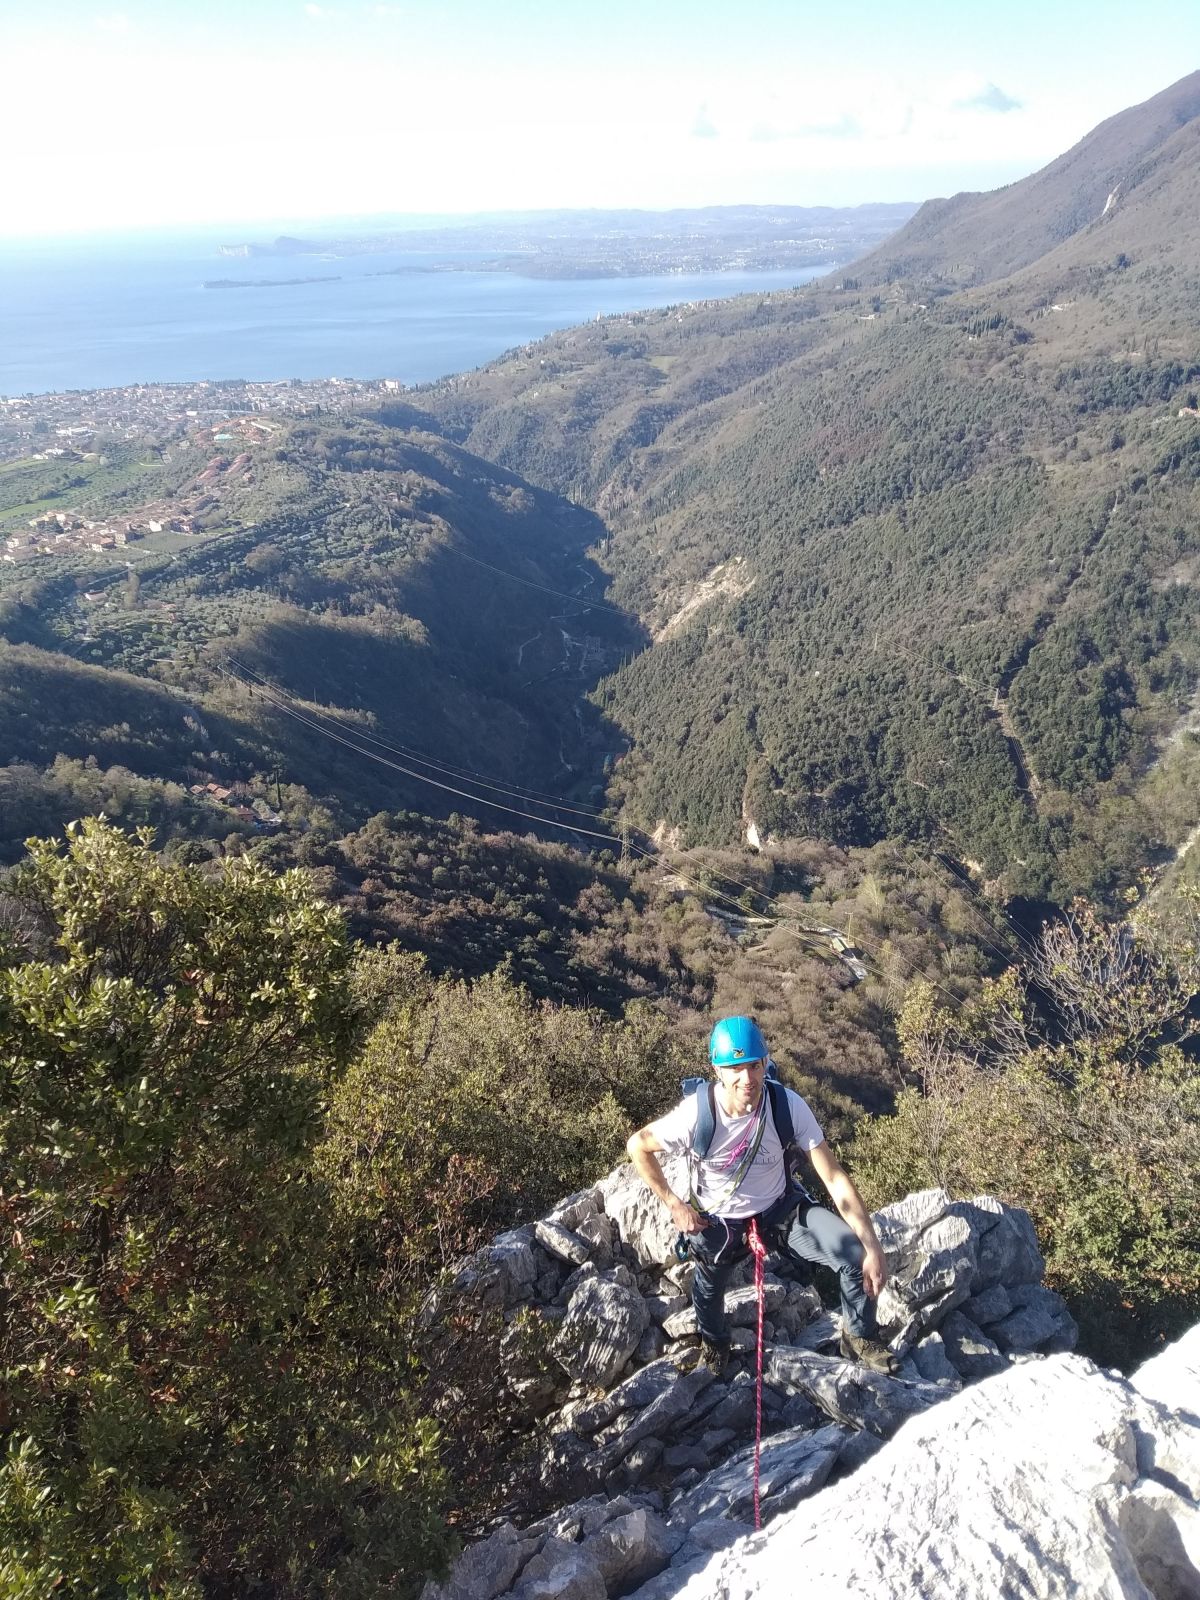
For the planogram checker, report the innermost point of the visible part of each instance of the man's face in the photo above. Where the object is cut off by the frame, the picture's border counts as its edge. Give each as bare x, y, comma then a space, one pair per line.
742, 1085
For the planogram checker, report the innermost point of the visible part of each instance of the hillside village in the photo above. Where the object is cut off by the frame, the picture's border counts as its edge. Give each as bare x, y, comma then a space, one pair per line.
66, 425
73, 531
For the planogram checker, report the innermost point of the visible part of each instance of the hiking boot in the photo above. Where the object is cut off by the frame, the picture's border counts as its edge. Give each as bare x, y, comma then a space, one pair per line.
871, 1353
713, 1356
703, 1353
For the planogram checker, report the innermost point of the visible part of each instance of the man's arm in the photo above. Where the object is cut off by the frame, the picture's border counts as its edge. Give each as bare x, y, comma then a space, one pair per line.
851, 1208
643, 1149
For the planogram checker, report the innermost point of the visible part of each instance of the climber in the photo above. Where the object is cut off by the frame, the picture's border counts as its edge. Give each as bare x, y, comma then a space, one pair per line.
741, 1142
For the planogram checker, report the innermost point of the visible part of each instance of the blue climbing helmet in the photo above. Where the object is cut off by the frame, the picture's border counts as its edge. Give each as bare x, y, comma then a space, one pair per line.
734, 1040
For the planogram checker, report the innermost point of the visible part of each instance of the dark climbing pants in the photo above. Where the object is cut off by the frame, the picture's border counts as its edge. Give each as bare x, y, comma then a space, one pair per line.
815, 1234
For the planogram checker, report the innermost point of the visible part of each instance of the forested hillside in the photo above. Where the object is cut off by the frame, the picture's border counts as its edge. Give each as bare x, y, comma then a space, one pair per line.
895, 577
365, 659
351, 646
915, 561
354, 579
979, 238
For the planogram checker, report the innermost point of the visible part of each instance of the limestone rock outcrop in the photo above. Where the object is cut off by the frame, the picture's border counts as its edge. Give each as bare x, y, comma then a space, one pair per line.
1053, 1479
653, 1466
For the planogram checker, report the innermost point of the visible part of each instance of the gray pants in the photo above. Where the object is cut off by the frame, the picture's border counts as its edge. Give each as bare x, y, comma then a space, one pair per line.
815, 1234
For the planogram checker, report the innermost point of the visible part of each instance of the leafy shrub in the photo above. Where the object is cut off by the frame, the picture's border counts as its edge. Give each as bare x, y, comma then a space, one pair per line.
473, 1106
470, 1108
189, 1402
1069, 1087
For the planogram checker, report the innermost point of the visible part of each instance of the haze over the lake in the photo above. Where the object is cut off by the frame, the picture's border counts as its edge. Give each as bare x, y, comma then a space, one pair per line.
137, 114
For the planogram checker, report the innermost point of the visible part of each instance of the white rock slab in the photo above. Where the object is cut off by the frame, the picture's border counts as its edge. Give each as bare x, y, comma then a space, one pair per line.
1053, 1480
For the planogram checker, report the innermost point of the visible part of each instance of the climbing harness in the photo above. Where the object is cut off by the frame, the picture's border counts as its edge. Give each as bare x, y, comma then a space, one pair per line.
759, 1251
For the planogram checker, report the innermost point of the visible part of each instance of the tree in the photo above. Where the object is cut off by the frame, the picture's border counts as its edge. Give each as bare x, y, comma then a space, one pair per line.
187, 1403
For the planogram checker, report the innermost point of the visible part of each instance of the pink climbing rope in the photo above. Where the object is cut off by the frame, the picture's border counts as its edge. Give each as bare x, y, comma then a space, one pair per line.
759, 1250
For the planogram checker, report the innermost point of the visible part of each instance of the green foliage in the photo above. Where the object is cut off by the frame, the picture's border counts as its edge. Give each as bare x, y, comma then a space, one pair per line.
343, 560
964, 561
1089, 1124
473, 1105
190, 1400
50, 705
577, 929
43, 802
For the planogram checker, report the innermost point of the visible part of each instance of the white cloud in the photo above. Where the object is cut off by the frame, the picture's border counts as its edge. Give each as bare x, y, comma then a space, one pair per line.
521, 138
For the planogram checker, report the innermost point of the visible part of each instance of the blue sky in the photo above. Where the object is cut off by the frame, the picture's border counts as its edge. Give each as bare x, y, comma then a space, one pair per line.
140, 114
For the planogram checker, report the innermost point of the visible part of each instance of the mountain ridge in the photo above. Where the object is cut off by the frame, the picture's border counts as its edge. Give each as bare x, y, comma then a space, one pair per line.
944, 500
975, 238
351, 569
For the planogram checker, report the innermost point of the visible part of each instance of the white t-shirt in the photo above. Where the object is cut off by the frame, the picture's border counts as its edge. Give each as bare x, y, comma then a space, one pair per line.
766, 1179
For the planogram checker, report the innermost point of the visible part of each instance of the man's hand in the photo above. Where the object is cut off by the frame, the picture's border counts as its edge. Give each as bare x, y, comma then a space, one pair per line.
852, 1210
643, 1148
875, 1272
685, 1218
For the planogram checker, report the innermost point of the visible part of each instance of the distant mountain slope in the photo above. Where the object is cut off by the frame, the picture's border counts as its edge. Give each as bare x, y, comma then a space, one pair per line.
929, 559
977, 238
374, 573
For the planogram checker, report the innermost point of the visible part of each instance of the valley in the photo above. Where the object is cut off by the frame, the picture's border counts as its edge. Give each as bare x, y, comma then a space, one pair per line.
396, 783
882, 558
927, 484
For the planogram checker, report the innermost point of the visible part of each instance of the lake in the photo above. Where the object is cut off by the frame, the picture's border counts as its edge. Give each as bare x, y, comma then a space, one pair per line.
99, 313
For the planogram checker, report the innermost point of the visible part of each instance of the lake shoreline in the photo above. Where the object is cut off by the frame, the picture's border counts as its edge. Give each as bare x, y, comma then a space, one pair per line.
73, 321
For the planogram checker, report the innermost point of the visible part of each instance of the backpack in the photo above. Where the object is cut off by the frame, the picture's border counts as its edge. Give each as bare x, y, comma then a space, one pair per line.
706, 1124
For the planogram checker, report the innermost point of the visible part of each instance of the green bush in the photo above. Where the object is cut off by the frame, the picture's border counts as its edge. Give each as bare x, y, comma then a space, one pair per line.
1080, 1107
473, 1107
190, 1401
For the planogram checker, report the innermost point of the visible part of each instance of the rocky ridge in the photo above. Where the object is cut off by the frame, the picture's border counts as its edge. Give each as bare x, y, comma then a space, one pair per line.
1055, 1479
655, 1467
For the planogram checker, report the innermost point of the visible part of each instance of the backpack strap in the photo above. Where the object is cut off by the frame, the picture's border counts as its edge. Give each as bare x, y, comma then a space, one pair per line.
706, 1126
706, 1116
781, 1115
706, 1119
702, 1133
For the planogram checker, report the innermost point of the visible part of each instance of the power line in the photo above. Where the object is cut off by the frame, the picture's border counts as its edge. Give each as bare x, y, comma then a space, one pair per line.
423, 760
518, 793
648, 854
371, 755
560, 594
964, 883
1004, 954
702, 890
421, 777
